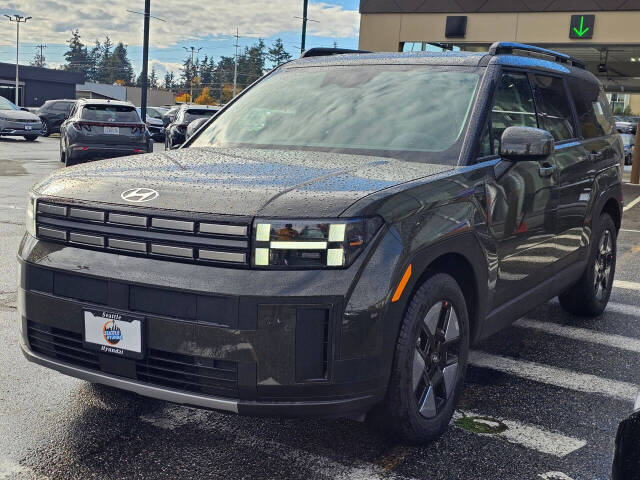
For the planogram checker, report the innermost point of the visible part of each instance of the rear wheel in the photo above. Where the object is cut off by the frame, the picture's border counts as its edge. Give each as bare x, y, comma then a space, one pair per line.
429, 365
46, 128
590, 295
30, 138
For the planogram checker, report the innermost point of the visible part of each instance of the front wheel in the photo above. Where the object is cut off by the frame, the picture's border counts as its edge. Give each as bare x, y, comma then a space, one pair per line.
30, 138
590, 295
46, 128
429, 366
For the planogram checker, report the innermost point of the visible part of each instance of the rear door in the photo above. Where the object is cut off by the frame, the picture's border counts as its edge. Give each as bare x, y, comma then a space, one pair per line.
578, 166
522, 207
574, 174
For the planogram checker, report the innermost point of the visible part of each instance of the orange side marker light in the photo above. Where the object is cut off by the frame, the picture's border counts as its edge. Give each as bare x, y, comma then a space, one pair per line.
403, 283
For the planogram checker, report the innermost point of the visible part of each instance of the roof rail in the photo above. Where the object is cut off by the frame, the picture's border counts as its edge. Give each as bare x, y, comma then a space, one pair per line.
508, 47
325, 52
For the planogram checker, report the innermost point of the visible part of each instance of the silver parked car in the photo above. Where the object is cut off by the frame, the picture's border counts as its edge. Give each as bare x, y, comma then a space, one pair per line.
100, 129
16, 122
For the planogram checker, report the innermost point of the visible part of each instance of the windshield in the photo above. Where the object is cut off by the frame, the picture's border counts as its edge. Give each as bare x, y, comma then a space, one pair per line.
7, 105
402, 111
110, 113
193, 114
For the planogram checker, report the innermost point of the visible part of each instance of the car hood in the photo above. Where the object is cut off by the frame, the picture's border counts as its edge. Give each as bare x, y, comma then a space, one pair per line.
237, 181
18, 115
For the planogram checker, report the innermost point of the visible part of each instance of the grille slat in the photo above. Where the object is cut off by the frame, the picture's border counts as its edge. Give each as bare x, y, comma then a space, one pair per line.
186, 238
172, 370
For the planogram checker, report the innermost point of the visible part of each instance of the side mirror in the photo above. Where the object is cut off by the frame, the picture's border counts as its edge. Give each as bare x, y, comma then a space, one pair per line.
525, 144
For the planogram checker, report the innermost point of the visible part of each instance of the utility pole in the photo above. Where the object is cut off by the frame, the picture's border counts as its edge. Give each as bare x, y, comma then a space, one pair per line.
193, 52
235, 64
145, 60
41, 57
304, 25
18, 19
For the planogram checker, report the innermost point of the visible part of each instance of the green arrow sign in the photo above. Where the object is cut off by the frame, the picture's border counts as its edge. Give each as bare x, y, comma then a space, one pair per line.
580, 32
581, 26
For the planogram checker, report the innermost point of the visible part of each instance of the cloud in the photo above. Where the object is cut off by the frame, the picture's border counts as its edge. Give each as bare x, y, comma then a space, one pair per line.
194, 19
163, 67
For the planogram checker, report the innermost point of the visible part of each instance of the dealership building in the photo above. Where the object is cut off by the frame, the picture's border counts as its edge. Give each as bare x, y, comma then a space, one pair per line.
36, 84
605, 34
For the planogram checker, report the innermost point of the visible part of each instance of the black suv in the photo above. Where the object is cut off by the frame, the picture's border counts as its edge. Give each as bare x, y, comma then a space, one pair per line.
335, 239
53, 113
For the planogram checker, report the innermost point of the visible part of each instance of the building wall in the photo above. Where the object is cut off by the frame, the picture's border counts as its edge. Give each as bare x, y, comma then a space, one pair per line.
155, 97
386, 31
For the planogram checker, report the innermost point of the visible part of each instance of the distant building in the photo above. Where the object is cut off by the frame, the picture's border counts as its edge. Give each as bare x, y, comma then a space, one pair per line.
36, 84
155, 97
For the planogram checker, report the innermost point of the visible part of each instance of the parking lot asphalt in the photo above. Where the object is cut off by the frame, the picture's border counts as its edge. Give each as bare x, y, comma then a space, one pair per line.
552, 386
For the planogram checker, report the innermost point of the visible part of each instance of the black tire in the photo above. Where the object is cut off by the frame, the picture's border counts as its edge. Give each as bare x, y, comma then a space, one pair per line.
30, 138
69, 161
46, 128
590, 295
62, 154
429, 365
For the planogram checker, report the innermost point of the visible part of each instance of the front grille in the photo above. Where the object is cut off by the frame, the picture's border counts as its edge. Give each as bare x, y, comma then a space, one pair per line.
183, 372
180, 237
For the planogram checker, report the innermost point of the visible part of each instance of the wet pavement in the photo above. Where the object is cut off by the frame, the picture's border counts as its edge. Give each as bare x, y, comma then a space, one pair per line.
552, 388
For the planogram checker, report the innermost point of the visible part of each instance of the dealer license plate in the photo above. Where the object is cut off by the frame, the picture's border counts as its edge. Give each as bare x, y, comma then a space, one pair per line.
112, 130
113, 333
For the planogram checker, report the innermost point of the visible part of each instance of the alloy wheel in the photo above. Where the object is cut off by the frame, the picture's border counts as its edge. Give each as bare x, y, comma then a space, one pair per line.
435, 359
602, 266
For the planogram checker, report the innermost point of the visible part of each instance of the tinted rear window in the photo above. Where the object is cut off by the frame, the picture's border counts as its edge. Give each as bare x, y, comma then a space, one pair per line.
193, 114
594, 115
110, 113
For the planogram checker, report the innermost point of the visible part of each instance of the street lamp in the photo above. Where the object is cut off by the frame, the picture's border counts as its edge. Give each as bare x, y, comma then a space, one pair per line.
18, 19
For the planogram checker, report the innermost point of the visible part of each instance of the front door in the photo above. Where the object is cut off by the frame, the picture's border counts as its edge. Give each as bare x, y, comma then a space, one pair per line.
521, 196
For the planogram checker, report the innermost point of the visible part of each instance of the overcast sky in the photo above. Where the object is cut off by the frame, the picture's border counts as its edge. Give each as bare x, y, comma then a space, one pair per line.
200, 23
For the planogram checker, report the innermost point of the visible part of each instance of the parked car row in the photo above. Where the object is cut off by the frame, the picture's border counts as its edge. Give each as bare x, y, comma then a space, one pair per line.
178, 120
627, 124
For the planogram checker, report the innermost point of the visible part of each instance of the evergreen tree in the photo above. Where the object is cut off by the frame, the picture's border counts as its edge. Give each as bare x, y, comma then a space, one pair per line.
77, 57
169, 80
153, 78
277, 55
94, 61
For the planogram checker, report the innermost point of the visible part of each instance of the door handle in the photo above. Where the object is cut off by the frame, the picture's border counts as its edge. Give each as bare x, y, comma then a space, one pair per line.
547, 170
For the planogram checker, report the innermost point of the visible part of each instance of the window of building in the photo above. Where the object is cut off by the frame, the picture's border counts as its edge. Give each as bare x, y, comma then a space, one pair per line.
554, 111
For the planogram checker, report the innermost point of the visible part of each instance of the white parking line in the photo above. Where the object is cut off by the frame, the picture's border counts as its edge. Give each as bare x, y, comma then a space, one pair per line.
12, 469
582, 334
558, 377
623, 308
532, 437
632, 203
173, 417
629, 230
626, 285
555, 476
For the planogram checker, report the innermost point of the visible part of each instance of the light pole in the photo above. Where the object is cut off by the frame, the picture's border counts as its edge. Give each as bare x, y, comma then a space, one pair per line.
18, 19
193, 50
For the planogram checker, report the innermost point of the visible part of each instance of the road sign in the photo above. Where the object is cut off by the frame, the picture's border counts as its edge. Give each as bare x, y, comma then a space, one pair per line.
582, 26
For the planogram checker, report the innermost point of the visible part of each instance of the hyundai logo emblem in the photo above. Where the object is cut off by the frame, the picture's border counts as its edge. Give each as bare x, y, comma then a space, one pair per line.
138, 195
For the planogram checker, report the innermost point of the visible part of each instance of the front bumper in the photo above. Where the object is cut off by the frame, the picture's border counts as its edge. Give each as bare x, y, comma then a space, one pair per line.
265, 343
20, 131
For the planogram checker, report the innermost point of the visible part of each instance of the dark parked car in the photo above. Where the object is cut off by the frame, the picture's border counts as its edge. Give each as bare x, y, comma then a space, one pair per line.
53, 113
626, 461
100, 129
629, 142
170, 115
154, 124
627, 124
304, 255
175, 132
17, 122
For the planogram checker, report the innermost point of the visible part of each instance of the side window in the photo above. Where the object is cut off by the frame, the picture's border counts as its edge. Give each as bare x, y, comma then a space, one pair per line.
554, 111
58, 107
513, 107
593, 113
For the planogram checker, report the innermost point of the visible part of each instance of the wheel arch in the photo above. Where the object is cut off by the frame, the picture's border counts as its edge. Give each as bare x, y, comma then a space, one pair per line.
462, 257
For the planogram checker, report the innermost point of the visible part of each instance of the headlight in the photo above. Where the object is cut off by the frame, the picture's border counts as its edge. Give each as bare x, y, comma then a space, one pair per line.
31, 215
300, 244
